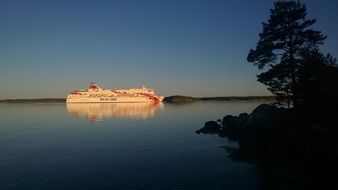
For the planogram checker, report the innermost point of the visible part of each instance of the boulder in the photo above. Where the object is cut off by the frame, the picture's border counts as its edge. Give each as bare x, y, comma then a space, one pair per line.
230, 121
232, 127
209, 127
243, 117
262, 117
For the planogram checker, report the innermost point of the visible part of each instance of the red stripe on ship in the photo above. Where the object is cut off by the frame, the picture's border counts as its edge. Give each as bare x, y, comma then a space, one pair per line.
75, 93
152, 97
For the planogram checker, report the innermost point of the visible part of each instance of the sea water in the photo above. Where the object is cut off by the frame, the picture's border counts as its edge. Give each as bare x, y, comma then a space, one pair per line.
123, 146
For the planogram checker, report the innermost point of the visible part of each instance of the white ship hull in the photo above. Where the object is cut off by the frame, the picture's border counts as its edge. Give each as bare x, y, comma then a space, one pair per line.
94, 94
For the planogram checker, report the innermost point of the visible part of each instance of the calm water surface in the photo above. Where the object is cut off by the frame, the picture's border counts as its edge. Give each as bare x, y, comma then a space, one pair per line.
121, 146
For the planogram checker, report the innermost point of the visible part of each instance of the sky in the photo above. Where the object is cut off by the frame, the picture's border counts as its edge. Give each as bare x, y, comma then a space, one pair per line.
186, 47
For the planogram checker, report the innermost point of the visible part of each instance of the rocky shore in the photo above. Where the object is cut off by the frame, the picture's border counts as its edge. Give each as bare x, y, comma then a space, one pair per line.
270, 134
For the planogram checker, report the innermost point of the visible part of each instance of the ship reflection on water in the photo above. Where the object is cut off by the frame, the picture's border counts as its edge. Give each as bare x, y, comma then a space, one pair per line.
98, 111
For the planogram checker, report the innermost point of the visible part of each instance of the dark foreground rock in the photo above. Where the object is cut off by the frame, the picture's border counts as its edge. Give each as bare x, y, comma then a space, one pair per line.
270, 133
209, 127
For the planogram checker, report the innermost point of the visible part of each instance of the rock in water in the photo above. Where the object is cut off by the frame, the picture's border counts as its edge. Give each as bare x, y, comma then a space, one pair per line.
209, 127
230, 121
243, 117
262, 117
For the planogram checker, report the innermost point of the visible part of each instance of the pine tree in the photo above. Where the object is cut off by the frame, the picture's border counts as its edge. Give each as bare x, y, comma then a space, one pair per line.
286, 33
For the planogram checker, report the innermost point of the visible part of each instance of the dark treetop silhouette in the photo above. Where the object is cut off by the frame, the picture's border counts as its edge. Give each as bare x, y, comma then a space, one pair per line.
285, 35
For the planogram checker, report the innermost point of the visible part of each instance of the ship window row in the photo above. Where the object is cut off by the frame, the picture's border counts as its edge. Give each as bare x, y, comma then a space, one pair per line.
130, 96
120, 95
98, 95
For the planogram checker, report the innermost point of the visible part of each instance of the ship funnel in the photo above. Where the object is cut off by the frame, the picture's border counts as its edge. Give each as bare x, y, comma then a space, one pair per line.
94, 87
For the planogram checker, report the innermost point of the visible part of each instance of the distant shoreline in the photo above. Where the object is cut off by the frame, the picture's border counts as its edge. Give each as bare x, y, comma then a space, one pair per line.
34, 100
169, 99
188, 99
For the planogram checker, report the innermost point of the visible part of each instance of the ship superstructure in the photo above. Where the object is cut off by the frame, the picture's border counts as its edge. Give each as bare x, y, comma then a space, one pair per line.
95, 94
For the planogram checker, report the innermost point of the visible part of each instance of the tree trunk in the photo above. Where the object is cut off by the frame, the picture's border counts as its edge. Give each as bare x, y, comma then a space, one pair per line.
292, 73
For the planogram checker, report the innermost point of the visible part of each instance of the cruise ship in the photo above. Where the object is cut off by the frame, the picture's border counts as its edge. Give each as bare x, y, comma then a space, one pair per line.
95, 94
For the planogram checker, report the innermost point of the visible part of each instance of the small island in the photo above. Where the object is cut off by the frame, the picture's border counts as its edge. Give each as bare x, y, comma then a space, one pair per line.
188, 99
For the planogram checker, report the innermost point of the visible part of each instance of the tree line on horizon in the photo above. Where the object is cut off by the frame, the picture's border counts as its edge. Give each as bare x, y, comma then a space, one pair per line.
294, 68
